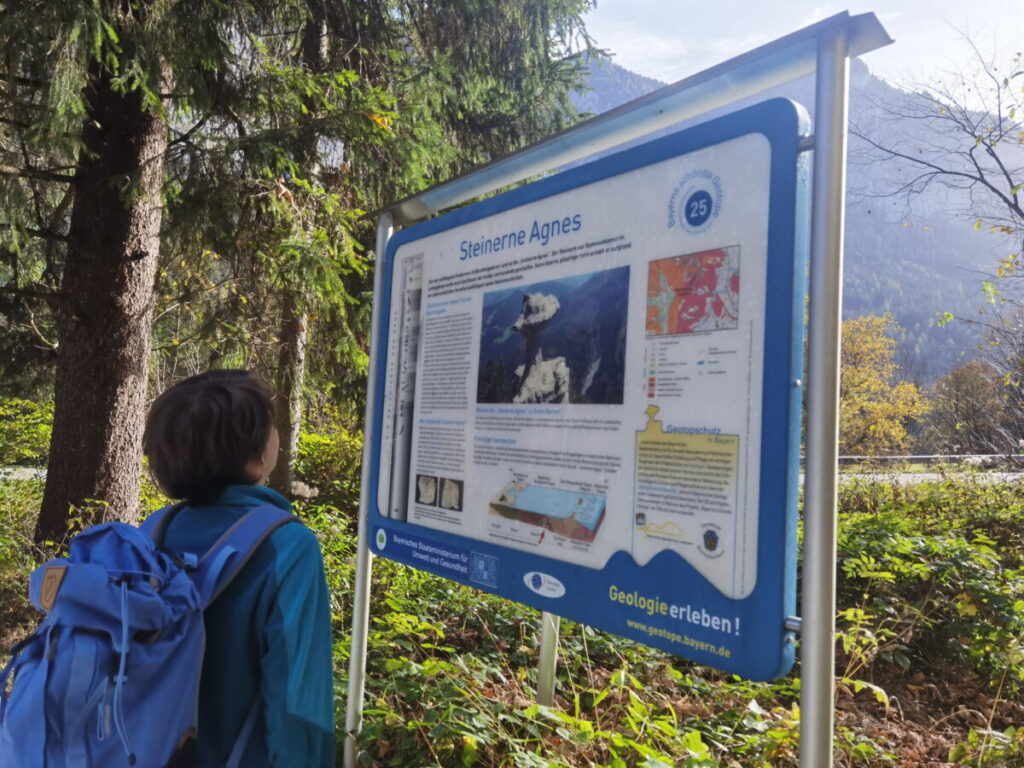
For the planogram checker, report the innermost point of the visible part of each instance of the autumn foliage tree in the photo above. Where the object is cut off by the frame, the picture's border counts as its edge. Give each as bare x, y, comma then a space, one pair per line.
875, 407
961, 136
968, 412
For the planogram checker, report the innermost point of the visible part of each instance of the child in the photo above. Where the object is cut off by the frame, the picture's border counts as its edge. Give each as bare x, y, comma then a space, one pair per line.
211, 442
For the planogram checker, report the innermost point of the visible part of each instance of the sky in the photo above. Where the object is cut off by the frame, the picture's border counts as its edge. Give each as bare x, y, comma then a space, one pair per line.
671, 39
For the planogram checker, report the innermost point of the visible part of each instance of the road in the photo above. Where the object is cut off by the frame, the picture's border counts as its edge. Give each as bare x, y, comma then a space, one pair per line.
21, 473
905, 478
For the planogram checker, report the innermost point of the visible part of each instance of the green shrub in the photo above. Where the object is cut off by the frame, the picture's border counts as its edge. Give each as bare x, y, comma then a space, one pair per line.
930, 580
931, 574
151, 496
24, 432
338, 548
331, 463
990, 749
19, 505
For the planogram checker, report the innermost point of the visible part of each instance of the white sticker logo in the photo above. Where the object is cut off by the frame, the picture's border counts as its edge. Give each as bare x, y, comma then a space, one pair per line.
382, 538
544, 585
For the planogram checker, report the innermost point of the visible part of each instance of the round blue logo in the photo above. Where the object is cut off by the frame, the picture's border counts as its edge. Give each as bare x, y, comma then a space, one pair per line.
710, 541
695, 202
698, 208
537, 580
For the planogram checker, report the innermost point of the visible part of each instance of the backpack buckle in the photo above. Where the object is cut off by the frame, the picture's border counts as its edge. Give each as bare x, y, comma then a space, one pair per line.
187, 560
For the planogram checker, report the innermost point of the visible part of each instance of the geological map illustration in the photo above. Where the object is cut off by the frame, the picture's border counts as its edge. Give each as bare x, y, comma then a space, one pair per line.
695, 292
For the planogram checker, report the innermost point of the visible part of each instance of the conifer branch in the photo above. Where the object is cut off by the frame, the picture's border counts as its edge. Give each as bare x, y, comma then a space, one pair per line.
47, 296
19, 80
15, 123
34, 173
47, 235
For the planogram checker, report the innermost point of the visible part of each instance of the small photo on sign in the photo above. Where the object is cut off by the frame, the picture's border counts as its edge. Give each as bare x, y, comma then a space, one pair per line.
693, 293
558, 341
451, 494
426, 490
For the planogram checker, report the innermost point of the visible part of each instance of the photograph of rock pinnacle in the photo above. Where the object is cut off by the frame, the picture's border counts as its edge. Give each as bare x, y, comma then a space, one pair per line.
560, 341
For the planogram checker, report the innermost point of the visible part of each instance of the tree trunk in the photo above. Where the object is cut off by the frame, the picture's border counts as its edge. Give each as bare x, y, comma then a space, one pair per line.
106, 314
291, 370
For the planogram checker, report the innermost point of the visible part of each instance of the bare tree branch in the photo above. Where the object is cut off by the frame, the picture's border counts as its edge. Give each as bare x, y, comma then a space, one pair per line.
187, 135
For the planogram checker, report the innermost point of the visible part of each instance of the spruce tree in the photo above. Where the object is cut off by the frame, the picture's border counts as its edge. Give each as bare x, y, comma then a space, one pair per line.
202, 148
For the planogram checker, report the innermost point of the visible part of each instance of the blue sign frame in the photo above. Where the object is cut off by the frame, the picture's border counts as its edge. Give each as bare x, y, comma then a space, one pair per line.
623, 597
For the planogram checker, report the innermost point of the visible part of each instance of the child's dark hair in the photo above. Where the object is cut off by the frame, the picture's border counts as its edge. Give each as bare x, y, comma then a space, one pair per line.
201, 433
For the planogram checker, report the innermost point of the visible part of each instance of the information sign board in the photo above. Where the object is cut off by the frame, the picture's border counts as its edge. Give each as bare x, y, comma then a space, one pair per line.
589, 392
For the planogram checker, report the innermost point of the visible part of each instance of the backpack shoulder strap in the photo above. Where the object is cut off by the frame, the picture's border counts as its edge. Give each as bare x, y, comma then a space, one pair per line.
155, 526
229, 554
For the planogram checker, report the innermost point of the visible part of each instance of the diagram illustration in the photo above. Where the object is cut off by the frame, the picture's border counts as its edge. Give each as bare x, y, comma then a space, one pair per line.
572, 514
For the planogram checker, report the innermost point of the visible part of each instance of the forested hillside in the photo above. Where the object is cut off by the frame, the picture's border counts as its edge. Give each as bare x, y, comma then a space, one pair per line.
610, 86
915, 259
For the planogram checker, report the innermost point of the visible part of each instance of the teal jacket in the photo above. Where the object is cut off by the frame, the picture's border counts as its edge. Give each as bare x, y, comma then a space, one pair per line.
267, 635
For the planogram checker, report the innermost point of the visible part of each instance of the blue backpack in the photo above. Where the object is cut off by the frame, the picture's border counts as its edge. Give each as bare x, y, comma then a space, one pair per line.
111, 676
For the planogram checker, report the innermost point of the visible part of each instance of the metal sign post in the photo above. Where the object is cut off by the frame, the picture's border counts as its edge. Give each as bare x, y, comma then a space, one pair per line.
547, 663
364, 557
826, 300
823, 48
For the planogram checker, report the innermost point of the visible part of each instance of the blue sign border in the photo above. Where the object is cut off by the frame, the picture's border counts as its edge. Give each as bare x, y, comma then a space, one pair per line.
695, 615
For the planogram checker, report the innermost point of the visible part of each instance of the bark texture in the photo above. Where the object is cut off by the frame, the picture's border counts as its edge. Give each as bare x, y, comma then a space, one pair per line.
291, 370
291, 364
105, 315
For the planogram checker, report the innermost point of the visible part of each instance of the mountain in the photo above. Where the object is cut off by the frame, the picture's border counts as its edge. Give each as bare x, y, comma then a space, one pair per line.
912, 258
610, 86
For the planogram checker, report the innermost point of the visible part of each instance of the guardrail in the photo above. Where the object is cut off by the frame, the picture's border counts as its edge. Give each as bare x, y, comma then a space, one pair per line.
947, 458
21, 473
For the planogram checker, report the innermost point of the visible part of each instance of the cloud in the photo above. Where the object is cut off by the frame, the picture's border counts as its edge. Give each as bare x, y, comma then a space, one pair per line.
668, 56
721, 48
886, 17
818, 13
669, 42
